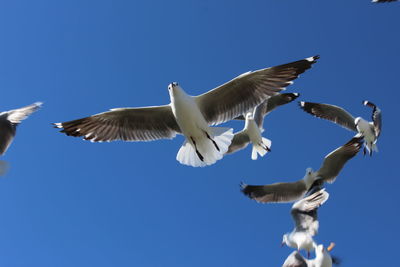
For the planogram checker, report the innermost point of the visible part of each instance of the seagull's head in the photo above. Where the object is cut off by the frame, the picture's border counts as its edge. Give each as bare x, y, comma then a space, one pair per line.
249, 116
310, 176
357, 121
173, 88
309, 172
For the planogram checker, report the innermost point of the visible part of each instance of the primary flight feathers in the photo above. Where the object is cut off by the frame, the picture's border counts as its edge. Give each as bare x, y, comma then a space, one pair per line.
190, 115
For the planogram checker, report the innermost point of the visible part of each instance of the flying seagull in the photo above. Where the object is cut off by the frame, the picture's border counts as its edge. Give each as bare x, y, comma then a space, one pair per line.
9, 121
370, 130
322, 258
191, 115
293, 191
383, 1
304, 214
254, 126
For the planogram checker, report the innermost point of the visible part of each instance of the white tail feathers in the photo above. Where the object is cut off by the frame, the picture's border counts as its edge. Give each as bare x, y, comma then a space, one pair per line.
223, 137
261, 149
371, 148
207, 152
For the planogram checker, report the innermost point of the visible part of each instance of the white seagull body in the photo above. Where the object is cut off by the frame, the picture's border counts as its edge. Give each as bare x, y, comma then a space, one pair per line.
191, 115
251, 133
369, 130
253, 127
203, 145
288, 192
9, 120
322, 258
304, 214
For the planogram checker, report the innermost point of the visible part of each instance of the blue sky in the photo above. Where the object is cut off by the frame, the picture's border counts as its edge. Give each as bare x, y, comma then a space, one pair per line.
69, 202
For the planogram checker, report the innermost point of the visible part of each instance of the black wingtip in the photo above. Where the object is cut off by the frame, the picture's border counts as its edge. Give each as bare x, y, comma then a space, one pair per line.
290, 96
245, 189
336, 260
242, 186
316, 57
369, 104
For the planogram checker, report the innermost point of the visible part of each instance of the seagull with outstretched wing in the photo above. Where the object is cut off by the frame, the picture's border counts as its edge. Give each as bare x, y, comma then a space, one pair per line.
288, 192
191, 116
370, 130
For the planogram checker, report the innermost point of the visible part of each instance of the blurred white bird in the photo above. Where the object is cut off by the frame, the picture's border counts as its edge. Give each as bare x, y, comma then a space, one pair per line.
322, 258
191, 115
304, 214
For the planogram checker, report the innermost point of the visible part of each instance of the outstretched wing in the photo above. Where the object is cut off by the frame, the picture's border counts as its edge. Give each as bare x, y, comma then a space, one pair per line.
330, 112
128, 124
278, 192
9, 121
240, 141
335, 161
248, 90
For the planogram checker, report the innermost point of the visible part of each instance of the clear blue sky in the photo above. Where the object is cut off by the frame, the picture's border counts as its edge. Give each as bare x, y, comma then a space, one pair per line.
69, 202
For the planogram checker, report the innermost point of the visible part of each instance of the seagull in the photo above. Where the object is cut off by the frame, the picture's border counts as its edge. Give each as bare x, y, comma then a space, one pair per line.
383, 1
254, 126
293, 191
322, 258
304, 214
9, 121
370, 130
191, 116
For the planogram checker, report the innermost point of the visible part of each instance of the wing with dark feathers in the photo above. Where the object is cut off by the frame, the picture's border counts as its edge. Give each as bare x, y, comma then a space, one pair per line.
376, 117
330, 112
248, 90
335, 161
278, 192
7, 133
240, 141
128, 124
270, 104
383, 1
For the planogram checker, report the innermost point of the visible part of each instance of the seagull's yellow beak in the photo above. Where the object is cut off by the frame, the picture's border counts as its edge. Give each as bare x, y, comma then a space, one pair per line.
331, 246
